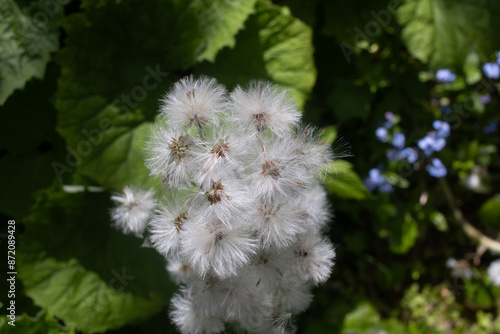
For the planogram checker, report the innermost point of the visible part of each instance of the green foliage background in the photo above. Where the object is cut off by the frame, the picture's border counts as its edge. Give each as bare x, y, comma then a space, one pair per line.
79, 86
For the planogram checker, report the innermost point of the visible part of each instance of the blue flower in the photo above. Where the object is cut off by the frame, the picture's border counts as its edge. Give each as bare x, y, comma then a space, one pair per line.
436, 168
485, 99
381, 134
497, 53
445, 75
443, 128
398, 140
410, 154
491, 128
389, 116
492, 70
430, 144
374, 179
385, 187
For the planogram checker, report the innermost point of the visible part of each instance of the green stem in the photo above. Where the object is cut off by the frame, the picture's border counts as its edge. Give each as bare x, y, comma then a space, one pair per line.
468, 228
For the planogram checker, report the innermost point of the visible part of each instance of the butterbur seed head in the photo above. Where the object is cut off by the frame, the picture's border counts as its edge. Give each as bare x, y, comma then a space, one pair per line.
221, 149
219, 236
179, 220
215, 194
260, 120
180, 147
300, 253
272, 169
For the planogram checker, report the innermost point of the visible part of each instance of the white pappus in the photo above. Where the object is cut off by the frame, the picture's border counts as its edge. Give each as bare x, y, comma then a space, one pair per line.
242, 207
132, 210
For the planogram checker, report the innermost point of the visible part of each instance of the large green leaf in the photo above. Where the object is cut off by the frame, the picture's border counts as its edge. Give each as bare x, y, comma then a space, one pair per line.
26, 42
489, 213
274, 45
343, 181
43, 323
115, 71
76, 266
443, 32
28, 147
220, 21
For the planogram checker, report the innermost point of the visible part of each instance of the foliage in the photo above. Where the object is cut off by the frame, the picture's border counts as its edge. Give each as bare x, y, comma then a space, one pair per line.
79, 91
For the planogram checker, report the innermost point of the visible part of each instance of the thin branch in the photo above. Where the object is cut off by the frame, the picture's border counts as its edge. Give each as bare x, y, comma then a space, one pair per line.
468, 228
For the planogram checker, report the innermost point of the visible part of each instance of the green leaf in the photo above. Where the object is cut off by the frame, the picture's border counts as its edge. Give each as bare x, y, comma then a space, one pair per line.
403, 234
343, 181
94, 278
443, 32
273, 45
397, 180
471, 69
221, 20
489, 213
43, 323
439, 220
364, 319
329, 134
25, 47
28, 146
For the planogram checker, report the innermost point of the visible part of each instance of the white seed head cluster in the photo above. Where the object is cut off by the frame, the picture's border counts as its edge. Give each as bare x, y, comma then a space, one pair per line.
241, 216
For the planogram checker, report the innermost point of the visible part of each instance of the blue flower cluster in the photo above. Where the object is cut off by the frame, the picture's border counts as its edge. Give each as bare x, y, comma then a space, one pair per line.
445, 75
434, 141
376, 180
491, 70
436, 168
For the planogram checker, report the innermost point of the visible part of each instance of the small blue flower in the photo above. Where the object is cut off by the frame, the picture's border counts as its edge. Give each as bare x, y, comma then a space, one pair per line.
492, 70
436, 168
485, 99
430, 144
497, 53
381, 134
374, 179
389, 116
410, 154
398, 140
443, 128
491, 128
385, 187
445, 75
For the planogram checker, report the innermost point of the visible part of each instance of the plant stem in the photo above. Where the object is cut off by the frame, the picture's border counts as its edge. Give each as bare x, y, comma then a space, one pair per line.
468, 228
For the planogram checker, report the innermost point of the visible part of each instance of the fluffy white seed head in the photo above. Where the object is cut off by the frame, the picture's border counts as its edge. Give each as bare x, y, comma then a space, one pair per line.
313, 257
170, 155
264, 106
276, 174
167, 226
212, 248
132, 210
190, 321
275, 224
180, 271
193, 102
242, 211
